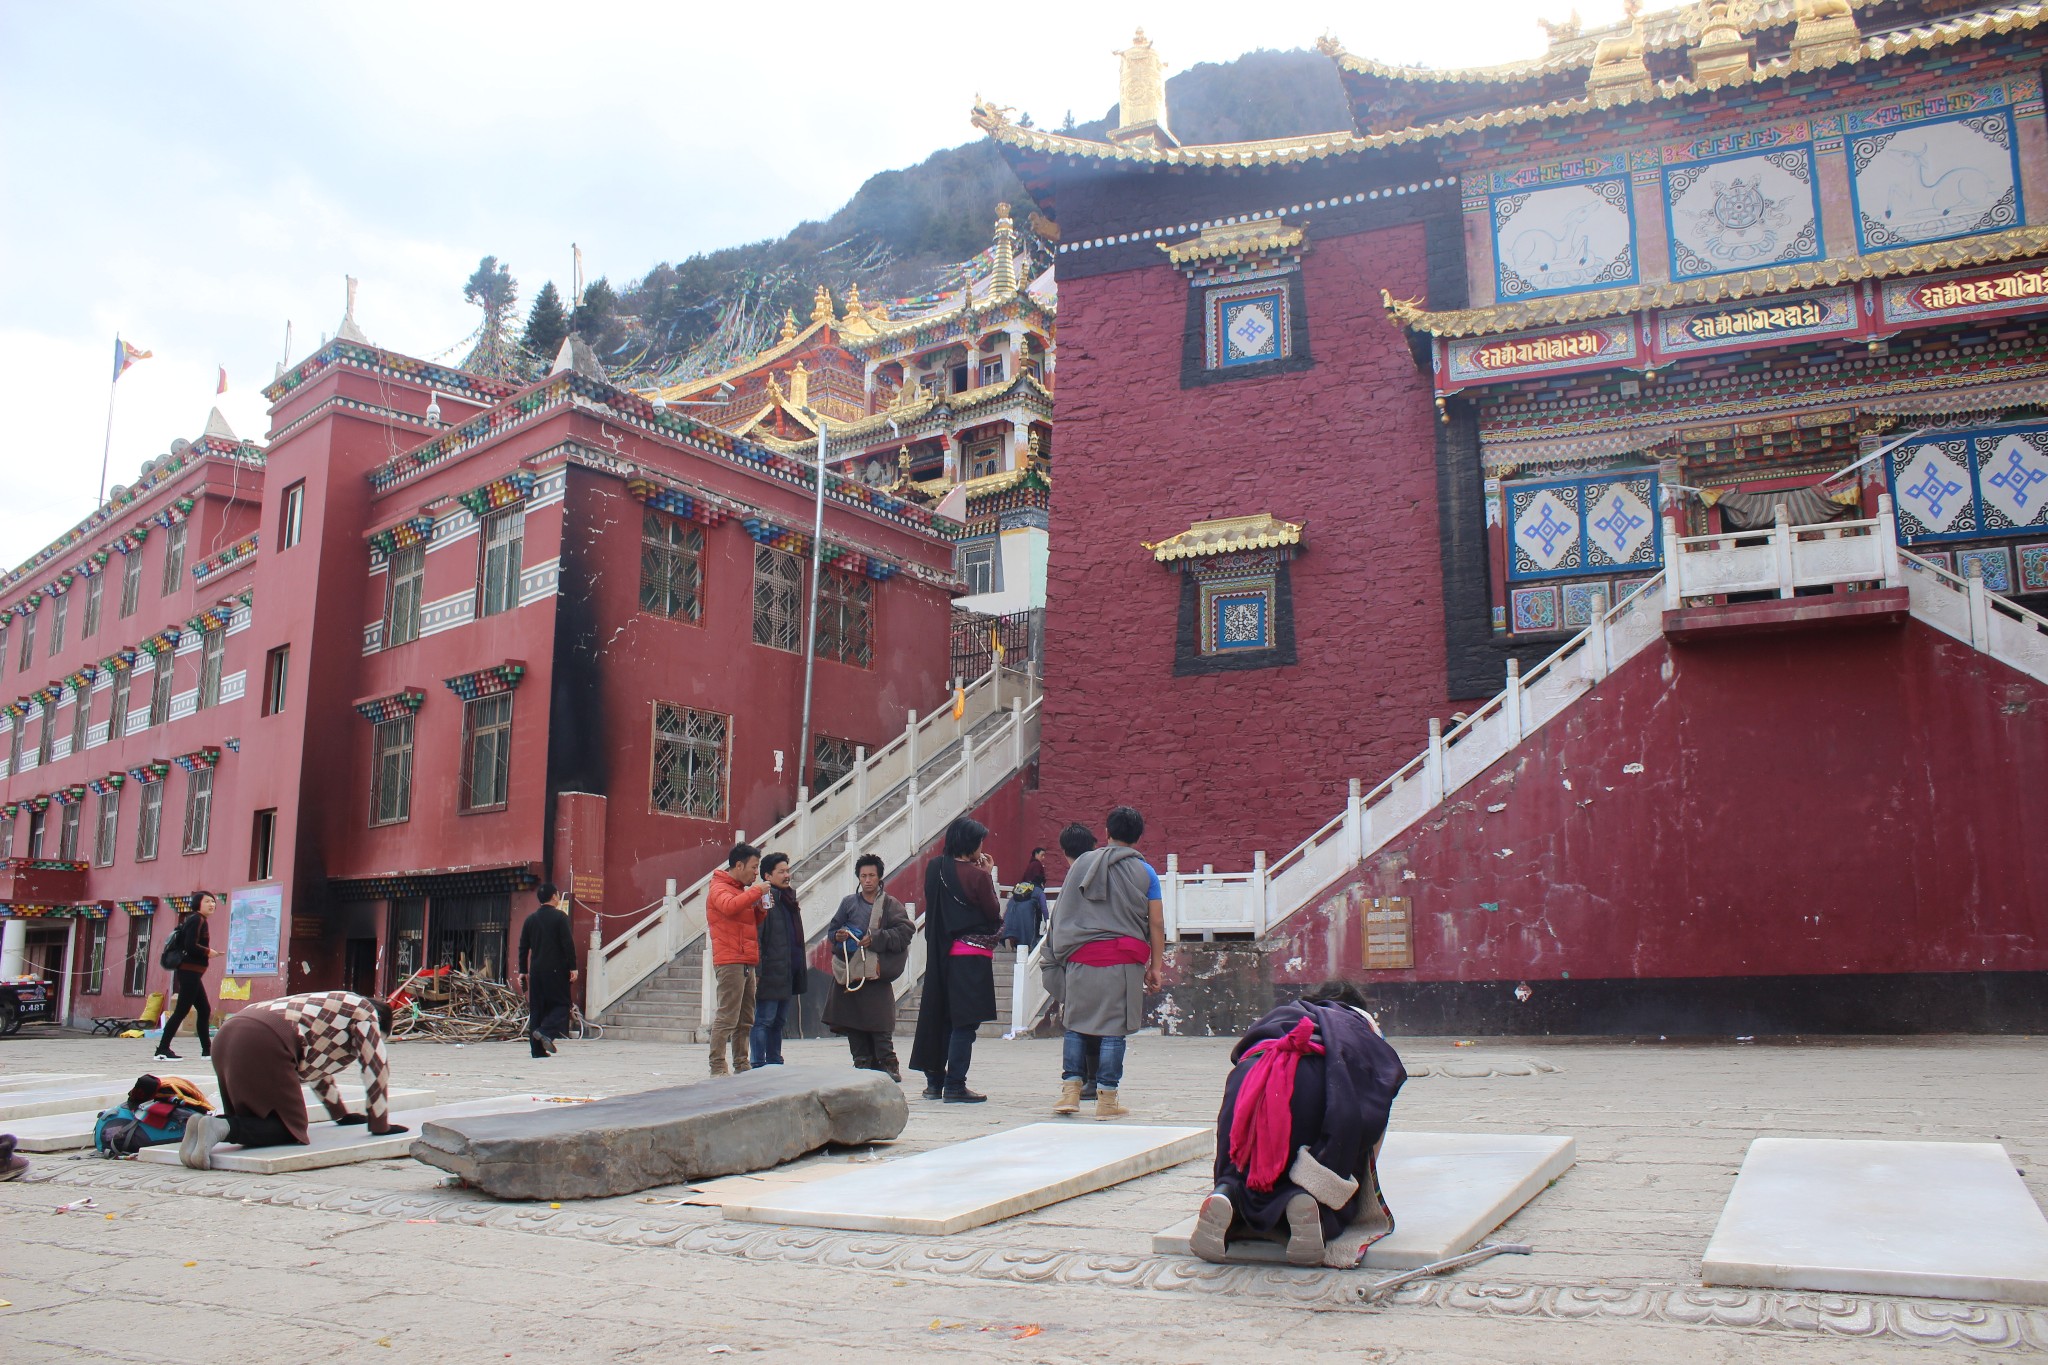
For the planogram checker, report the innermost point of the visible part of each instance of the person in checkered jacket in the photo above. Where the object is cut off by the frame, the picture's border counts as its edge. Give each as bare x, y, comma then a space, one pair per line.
266, 1052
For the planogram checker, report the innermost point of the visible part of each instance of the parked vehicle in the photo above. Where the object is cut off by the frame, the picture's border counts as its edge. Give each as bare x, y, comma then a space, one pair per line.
24, 1000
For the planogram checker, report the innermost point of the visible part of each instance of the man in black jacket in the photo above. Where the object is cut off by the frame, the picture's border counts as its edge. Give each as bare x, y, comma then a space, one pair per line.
783, 976
547, 962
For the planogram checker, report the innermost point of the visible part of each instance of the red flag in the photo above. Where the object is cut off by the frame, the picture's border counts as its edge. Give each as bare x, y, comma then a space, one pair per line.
223, 380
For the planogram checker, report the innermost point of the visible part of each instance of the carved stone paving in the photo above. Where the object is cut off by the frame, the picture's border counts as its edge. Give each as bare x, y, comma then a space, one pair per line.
1914, 1321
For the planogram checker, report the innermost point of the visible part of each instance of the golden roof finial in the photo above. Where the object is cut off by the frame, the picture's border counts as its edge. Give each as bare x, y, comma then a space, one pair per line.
1722, 51
1618, 67
789, 324
1561, 32
1141, 97
775, 388
799, 386
821, 306
1826, 32
1002, 280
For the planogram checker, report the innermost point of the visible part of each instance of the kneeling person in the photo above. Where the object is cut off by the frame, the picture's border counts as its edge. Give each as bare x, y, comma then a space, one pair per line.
262, 1056
1298, 1137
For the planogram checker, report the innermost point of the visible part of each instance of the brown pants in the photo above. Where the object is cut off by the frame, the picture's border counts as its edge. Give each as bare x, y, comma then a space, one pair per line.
734, 1016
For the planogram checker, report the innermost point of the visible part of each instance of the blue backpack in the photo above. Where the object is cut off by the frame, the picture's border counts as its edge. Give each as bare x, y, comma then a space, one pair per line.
154, 1113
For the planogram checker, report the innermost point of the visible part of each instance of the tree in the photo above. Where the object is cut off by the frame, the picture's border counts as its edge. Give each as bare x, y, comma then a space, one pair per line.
492, 289
599, 303
547, 326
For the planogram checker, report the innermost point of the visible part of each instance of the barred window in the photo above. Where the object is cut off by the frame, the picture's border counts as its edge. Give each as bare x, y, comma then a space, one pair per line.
14, 745
831, 759
778, 599
38, 825
28, 642
117, 717
59, 611
404, 572
81, 718
95, 588
160, 688
131, 583
174, 558
67, 831
150, 823
689, 762
3, 647
96, 960
486, 752
213, 648
391, 771
846, 619
504, 535
198, 809
46, 743
103, 834
140, 959
671, 567
979, 565
7, 837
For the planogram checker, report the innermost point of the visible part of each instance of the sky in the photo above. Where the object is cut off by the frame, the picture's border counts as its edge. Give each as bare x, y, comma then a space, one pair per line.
195, 174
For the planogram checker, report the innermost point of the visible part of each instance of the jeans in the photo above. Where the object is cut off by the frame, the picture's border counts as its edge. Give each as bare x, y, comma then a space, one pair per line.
764, 1044
191, 998
959, 1056
1109, 1071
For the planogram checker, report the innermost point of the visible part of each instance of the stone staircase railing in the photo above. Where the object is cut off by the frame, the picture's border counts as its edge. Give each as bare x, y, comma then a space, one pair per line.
919, 776
1782, 560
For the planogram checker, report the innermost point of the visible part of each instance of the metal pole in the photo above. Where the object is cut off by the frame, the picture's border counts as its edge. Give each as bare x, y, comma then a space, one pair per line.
803, 753
107, 449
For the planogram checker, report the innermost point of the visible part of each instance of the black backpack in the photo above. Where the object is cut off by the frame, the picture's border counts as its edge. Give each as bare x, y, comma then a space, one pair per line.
173, 956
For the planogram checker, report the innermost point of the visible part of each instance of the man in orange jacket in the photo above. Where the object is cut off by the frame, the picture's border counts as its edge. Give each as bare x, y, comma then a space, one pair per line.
733, 910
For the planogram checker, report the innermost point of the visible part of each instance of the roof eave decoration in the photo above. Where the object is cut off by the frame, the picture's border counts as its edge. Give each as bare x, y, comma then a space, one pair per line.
390, 705
199, 760
487, 682
1228, 535
1260, 241
2012, 244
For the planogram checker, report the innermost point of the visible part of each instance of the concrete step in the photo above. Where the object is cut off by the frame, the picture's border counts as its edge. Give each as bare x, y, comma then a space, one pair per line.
644, 1034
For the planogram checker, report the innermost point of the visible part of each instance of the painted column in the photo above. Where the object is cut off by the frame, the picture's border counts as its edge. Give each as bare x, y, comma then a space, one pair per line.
13, 943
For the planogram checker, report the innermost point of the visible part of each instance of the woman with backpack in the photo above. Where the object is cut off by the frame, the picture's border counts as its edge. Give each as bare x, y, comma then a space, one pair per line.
187, 952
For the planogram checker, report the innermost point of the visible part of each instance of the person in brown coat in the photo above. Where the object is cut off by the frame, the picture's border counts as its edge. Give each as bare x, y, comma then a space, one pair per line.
873, 921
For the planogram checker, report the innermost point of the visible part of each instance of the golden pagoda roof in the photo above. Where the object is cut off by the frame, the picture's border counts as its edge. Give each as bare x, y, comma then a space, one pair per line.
2013, 244
1268, 234
785, 346
995, 121
1226, 535
1000, 482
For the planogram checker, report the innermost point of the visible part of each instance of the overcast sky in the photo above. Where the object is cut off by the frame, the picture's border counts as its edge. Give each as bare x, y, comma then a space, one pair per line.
193, 175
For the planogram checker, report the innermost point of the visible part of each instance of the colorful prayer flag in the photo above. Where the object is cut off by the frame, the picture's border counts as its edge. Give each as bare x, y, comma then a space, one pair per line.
126, 355
959, 702
995, 641
223, 380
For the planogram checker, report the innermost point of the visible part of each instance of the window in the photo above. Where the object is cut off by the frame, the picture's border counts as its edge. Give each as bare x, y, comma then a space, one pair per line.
95, 588
81, 717
28, 641
276, 667
160, 688
131, 583
1246, 324
846, 619
263, 846
486, 751
992, 370
778, 599
985, 460
689, 762
7, 837
14, 745
404, 572
3, 647
671, 567
38, 824
1236, 612
96, 959
139, 956
117, 713
391, 771
174, 558
961, 383
293, 522
198, 809
503, 534
831, 759
103, 832
979, 566
46, 743
67, 831
213, 646
60, 611
151, 823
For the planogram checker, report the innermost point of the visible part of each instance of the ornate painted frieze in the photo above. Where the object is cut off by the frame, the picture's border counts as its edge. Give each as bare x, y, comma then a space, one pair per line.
1972, 484
2000, 289
1593, 525
1743, 212
1923, 182
1555, 350
1563, 238
1737, 326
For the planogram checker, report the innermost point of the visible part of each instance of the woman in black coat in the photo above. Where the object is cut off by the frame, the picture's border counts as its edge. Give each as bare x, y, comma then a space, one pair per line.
961, 924
188, 977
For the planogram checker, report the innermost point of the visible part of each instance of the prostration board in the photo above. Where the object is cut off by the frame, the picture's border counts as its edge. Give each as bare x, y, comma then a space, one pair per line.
964, 1185
1447, 1191
1941, 1220
334, 1145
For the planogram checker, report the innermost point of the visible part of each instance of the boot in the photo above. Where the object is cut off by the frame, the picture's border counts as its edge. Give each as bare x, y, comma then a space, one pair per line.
1106, 1105
1304, 1231
1070, 1098
1211, 1237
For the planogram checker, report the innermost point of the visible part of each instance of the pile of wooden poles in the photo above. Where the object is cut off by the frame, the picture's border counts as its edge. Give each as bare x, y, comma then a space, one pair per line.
459, 1007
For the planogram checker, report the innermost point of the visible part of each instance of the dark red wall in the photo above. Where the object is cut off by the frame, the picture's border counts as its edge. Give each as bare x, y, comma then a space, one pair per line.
1225, 764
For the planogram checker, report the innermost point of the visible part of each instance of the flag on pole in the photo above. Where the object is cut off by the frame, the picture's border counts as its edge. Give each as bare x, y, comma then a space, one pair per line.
126, 355
995, 643
223, 380
959, 702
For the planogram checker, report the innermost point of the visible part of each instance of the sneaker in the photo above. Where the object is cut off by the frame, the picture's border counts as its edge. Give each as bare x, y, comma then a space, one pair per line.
164, 1054
203, 1133
1304, 1231
1211, 1237
963, 1096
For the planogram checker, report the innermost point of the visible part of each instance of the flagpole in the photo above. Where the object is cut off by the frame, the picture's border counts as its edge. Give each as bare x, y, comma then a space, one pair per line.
107, 450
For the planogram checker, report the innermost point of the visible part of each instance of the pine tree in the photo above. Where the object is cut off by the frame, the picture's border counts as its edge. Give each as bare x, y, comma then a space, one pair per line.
599, 303
547, 326
493, 289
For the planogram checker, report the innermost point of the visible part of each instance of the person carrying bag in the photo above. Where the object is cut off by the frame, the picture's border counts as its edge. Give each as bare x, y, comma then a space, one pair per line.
869, 942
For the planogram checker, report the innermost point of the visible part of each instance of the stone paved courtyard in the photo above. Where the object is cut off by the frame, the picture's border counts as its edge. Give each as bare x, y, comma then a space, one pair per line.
383, 1261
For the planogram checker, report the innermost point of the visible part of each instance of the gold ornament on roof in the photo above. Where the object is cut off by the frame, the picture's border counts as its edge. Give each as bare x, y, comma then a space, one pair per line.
1141, 97
1723, 50
1224, 535
789, 324
1618, 67
1562, 31
1826, 33
821, 306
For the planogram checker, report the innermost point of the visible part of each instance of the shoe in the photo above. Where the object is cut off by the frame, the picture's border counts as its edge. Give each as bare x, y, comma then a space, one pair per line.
164, 1054
551, 1046
963, 1096
719, 1069
892, 1073
1304, 1231
933, 1092
1087, 1091
1211, 1237
203, 1133
1107, 1105
738, 1067
1070, 1098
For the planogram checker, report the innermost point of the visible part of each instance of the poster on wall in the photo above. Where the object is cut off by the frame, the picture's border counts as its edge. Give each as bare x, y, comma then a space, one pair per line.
255, 929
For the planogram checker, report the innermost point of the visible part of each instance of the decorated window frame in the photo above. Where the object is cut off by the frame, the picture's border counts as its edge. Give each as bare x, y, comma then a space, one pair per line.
1596, 524
1247, 314
1236, 607
1971, 484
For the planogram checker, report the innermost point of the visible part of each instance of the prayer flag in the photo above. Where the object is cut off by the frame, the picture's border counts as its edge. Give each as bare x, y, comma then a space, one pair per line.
995, 642
223, 380
959, 702
126, 355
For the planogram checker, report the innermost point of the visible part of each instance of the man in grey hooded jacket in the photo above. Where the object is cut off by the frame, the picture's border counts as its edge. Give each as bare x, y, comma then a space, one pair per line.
1108, 939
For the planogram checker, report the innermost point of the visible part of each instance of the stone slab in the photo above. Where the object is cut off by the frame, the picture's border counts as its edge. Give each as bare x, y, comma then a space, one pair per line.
62, 1097
720, 1126
331, 1144
1447, 1192
1941, 1220
951, 1189
68, 1132
42, 1080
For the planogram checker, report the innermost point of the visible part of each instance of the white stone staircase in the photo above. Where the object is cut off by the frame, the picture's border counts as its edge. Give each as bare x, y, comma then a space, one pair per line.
1861, 553
652, 980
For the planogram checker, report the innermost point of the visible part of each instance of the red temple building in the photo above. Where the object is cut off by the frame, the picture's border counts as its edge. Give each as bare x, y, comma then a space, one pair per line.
1590, 509
441, 638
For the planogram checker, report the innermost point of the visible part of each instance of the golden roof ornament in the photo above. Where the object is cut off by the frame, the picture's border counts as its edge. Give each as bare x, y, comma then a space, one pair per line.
789, 324
1826, 33
821, 306
857, 322
1618, 68
1563, 31
1723, 51
775, 393
1141, 97
1002, 278
799, 386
